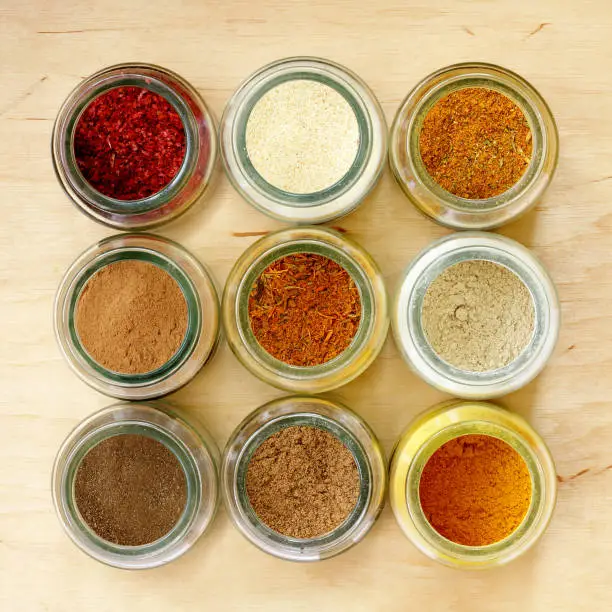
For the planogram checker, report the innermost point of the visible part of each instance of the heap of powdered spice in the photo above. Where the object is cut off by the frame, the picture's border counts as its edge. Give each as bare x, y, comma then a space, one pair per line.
478, 315
304, 309
131, 317
302, 136
475, 490
129, 143
130, 489
475, 143
302, 482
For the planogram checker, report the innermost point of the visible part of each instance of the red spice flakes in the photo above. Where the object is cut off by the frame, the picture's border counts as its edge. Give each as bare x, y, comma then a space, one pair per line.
304, 309
475, 143
129, 143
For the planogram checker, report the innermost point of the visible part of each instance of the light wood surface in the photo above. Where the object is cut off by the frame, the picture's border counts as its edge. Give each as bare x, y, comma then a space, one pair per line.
563, 47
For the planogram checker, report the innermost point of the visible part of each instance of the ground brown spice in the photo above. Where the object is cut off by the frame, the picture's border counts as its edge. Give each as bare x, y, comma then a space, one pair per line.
475, 490
131, 317
475, 143
302, 482
304, 309
130, 489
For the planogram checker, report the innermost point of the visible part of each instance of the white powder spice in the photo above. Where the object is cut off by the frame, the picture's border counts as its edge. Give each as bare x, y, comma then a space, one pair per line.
302, 136
478, 315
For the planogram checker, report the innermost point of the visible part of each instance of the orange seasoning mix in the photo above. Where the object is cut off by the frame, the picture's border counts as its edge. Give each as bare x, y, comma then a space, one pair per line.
475, 490
304, 309
475, 143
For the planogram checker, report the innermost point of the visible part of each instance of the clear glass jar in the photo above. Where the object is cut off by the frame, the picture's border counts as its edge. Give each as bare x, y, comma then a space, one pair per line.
433, 200
412, 342
186, 187
334, 418
194, 449
370, 335
427, 434
334, 201
202, 307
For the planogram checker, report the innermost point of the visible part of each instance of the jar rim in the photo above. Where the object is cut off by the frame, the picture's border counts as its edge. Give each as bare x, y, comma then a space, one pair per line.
196, 452
414, 345
200, 338
333, 201
448, 421
324, 423
365, 345
182, 190
341, 422
433, 200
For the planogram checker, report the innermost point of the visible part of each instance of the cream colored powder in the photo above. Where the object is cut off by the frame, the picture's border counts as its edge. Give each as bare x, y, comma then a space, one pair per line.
302, 136
478, 315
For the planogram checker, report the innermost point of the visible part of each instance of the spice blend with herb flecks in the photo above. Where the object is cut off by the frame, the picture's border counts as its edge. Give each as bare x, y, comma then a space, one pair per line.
476, 143
304, 309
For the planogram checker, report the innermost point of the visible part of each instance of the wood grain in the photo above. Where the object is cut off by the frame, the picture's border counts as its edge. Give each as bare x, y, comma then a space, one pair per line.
564, 48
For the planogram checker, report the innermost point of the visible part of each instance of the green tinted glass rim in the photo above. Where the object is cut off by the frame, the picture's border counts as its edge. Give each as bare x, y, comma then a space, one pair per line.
318, 197
531, 115
172, 443
359, 277
169, 191
194, 317
339, 432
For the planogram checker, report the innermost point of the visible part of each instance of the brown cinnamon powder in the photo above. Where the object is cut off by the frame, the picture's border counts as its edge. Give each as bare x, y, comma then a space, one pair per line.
130, 489
131, 317
302, 482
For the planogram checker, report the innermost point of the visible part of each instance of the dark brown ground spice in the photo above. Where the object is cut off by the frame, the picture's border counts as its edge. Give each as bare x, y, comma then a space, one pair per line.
129, 143
302, 482
475, 143
130, 489
304, 309
131, 317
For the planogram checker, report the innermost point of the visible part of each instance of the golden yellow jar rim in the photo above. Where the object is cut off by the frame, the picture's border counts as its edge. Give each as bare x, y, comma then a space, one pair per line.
448, 421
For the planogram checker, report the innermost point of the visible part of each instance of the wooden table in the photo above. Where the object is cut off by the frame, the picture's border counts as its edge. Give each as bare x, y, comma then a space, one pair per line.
564, 48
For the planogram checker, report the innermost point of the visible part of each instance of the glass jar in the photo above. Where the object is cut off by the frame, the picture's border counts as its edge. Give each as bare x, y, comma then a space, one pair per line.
338, 199
183, 190
408, 328
441, 205
193, 447
337, 420
426, 435
202, 307
370, 335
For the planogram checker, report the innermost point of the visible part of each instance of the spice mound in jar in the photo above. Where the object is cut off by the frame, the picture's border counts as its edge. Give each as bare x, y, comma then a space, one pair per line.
131, 317
304, 309
478, 316
475, 490
130, 489
475, 143
129, 143
302, 482
302, 136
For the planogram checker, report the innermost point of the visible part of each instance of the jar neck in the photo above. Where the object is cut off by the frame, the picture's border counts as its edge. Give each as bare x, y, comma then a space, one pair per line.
74, 109
476, 555
104, 550
366, 297
295, 547
194, 317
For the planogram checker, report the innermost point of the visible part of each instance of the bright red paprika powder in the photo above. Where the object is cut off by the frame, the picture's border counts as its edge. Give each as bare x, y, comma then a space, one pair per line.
129, 143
